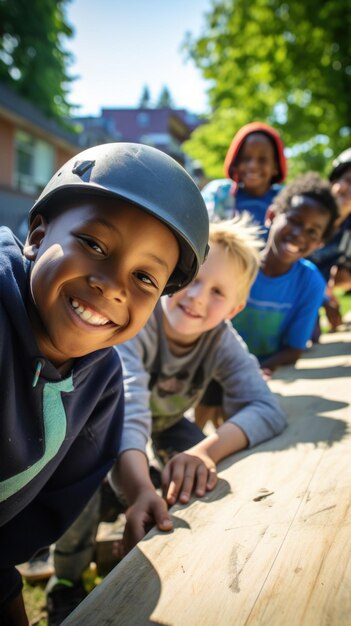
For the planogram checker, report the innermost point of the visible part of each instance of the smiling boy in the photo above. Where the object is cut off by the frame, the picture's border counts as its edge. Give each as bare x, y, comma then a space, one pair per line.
188, 342
255, 162
83, 297
285, 298
109, 234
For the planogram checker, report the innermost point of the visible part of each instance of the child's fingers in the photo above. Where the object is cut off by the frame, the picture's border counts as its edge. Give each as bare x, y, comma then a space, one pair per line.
176, 483
172, 493
188, 484
212, 479
180, 477
185, 473
133, 533
266, 374
201, 480
118, 549
161, 516
166, 479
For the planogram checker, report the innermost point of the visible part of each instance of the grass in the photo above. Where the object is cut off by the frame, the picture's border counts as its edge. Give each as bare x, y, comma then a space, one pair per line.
344, 300
34, 599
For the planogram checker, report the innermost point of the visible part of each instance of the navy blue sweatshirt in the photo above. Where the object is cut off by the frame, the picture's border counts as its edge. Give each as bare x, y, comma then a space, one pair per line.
58, 439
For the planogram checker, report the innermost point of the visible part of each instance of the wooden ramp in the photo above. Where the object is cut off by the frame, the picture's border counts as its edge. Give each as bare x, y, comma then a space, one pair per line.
271, 545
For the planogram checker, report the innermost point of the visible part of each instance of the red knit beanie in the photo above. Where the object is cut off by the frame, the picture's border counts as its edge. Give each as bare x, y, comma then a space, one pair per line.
238, 140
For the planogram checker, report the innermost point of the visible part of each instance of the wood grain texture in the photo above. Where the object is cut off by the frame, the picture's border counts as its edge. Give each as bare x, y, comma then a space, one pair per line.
271, 545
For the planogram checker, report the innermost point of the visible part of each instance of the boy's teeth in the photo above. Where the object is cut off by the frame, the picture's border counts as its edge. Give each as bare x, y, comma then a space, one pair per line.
88, 316
292, 247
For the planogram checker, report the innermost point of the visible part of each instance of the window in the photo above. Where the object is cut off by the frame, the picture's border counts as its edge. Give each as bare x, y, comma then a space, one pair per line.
143, 120
34, 163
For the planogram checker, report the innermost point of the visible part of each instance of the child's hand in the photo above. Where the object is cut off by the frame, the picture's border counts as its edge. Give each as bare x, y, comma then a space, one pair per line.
148, 510
332, 311
187, 471
266, 373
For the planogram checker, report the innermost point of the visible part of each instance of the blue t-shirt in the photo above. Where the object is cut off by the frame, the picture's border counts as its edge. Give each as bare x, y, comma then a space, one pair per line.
281, 311
223, 200
256, 205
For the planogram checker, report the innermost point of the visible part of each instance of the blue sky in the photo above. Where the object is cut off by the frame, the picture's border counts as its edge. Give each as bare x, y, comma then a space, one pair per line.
121, 45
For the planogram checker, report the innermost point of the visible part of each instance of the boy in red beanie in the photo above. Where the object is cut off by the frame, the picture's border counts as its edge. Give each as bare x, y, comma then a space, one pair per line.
256, 164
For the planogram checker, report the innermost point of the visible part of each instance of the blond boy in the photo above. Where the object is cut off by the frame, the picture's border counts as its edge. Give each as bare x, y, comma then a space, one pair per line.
187, 343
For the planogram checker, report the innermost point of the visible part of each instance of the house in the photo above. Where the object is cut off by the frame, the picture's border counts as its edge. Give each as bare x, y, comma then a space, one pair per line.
96, 130
33, 147
163, 128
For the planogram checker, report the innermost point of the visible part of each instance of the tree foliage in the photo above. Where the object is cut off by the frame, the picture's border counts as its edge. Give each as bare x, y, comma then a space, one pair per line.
165, 99
285, 62
145, 98
33, 60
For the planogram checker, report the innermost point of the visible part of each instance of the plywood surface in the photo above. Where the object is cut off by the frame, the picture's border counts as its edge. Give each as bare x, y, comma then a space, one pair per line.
271, 545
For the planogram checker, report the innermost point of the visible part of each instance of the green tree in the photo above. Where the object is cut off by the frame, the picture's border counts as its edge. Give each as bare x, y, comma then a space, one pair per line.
285, 62
165, 99
145, 98
33, 60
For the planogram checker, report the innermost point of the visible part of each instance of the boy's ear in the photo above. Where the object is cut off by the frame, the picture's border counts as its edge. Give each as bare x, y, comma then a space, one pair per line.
236, 310
269, 218
35, 236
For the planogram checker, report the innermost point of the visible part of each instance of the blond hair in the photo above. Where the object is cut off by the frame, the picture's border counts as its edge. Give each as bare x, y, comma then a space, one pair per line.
240, 239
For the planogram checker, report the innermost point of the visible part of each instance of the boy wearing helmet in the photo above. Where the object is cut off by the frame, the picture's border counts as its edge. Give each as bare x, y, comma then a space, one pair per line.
255, 163
166, 368
104, 243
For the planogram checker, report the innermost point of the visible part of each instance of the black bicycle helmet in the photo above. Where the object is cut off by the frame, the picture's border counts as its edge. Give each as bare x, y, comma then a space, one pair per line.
149, 179
340, 164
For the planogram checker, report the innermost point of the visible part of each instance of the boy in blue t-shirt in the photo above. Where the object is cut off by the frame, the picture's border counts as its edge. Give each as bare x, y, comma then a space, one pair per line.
109, 234
285, 298
255, 164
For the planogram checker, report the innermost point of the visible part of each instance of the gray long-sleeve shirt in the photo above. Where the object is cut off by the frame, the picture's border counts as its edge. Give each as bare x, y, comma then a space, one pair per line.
160, 387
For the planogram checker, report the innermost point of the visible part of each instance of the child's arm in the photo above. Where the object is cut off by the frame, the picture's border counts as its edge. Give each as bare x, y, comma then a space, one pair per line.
131, 475
131, 470
286, 356
253, 415
301, 324
197, 466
